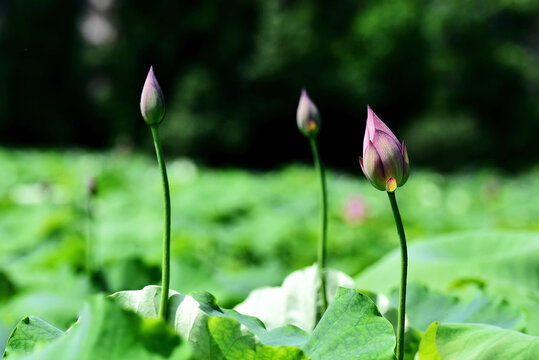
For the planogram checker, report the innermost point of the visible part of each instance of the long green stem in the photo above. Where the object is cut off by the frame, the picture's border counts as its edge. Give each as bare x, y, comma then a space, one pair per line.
165, 283
404, 271
89, 234
323, 230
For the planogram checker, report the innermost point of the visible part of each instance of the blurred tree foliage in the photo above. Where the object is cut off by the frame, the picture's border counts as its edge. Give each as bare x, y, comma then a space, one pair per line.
457, 79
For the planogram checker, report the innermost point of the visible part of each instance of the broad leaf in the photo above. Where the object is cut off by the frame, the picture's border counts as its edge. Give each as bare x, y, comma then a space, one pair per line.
217, 333
295, 301
506, 262
424, 306
103, 331
31, 332
58, 309
351, 328
476, 342
494, 257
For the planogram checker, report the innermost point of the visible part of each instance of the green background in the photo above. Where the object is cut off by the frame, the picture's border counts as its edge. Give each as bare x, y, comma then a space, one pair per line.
458, 80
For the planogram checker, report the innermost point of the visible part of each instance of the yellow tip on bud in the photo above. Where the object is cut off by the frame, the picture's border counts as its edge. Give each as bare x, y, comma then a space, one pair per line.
391, 185
311, 126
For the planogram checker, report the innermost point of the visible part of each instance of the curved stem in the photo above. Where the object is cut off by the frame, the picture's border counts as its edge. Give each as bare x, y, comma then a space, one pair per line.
404, 271
165, 283
323, 230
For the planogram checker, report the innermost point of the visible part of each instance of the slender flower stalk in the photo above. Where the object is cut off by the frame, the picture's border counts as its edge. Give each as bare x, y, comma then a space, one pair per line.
308, 120
91, 193
404, 272
385, 164
163, 308
322, 244
152, 107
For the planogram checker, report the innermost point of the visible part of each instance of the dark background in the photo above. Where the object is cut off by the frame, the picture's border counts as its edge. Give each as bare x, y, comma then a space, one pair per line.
458, 80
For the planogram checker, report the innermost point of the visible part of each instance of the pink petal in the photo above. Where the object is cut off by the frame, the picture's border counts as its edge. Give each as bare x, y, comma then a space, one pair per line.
369, 130
363, 168
370, 122
302, 113
390, 155
406, 164
374, 167
379, 124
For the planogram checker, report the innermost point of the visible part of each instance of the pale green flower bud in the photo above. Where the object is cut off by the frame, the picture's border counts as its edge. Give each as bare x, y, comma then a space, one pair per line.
152, 101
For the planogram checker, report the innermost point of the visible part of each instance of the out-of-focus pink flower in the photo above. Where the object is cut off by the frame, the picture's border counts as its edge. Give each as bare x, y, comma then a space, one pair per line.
355, 209
385, 161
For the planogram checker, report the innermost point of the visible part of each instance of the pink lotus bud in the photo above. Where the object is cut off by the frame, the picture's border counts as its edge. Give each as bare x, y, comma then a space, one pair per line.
152, 101
307, 116
385, 161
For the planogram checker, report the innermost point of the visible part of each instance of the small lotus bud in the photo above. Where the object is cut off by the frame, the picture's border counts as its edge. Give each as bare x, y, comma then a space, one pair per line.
307, 116
152, 101
385, 161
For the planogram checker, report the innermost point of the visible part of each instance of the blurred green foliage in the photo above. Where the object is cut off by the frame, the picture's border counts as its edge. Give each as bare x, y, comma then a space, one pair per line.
232, 230
457, 79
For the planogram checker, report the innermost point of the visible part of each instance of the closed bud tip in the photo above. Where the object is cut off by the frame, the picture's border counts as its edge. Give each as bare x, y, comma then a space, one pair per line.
385, 161
307, 116
152, 101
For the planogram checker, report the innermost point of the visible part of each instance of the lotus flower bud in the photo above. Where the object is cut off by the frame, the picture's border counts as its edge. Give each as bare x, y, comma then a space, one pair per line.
307, 116
152, 101
385, 161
